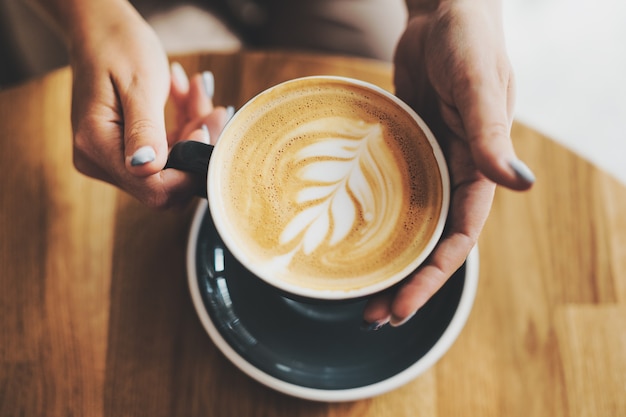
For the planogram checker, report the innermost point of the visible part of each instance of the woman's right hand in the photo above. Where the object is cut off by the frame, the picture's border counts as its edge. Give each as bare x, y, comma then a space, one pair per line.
121, 84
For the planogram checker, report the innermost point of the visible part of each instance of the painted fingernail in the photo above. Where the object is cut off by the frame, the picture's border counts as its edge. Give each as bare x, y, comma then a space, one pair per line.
372, 327
208, 81
397, 322
230, 112
142, 156
206, 134
179, 74
522, 171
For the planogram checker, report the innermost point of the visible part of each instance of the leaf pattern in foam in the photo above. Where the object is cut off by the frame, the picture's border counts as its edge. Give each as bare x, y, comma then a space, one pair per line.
336, 185
343, 214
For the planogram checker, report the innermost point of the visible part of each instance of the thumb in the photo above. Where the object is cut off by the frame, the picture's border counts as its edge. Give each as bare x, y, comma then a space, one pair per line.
487, 127
145, 138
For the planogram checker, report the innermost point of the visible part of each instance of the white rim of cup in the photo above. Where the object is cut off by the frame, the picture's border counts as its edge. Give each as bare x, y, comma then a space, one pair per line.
443, 344
213, 194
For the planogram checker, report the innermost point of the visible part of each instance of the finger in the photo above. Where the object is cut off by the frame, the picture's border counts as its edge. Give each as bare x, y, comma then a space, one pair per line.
183, 185
214, 123
445, 260
145, 139
484, 108
166, 189
201, 135
378, 310
200, 99
195, 105
179, 88
217, 123
208, 131
179, 91
180, 186
470, 208
170, 187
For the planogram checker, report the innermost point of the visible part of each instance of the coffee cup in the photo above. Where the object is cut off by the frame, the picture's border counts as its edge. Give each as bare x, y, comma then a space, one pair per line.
324, 187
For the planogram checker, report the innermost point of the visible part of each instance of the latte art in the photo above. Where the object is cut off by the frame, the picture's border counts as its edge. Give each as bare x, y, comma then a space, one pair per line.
341, 188
326, 185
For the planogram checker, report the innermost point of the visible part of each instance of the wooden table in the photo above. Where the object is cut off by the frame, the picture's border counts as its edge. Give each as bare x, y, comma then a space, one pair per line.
96, 318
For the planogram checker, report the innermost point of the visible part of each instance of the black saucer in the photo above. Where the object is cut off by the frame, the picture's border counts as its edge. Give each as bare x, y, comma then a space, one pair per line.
308, 350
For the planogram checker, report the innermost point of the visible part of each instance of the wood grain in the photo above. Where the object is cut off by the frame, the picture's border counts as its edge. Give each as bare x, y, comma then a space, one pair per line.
592, 342
96, 320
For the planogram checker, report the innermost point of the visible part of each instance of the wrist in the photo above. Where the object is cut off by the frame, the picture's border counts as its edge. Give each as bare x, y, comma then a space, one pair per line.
81, 22
422, 7
417, 7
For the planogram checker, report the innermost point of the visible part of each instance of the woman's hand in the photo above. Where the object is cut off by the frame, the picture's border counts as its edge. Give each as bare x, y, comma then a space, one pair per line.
121, 85
452, 68
122, 82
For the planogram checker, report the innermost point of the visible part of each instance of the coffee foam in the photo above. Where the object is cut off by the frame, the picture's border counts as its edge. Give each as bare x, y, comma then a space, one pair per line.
327, 185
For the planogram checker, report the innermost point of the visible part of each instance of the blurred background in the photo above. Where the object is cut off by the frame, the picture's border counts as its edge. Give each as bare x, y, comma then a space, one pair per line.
568, 55
570, 61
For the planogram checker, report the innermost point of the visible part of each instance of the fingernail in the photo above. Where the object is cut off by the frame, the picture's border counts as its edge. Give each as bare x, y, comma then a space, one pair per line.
372, 327
230, 112
522, 171
208, 81
142, 156
178, 72
206, 133
397, 322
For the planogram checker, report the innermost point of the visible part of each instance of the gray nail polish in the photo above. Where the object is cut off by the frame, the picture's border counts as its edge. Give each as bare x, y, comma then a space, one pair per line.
208, 81
179, 74
371, 327
207, 134
142, 156
230, 112
522, 171
396, 322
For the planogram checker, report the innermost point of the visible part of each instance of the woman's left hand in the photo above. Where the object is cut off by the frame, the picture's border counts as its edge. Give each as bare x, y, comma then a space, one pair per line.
451, 67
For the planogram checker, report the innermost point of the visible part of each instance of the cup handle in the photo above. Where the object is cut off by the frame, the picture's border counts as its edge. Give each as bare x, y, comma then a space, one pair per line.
191, 156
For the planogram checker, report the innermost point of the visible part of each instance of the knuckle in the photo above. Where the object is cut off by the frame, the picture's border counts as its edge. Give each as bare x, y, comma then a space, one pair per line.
81, 164
81, 142
490, 133
83, 157
138, 129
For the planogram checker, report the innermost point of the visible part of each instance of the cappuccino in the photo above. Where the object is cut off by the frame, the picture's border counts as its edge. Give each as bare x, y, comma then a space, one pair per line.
328, 184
